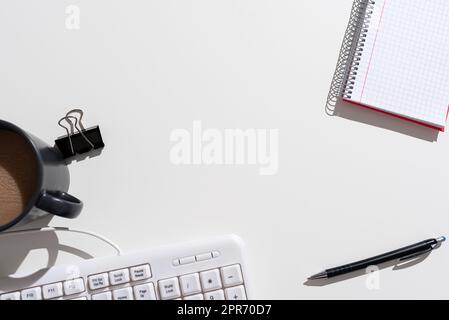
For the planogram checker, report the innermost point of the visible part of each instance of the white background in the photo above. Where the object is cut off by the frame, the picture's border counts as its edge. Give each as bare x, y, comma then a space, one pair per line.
345, 189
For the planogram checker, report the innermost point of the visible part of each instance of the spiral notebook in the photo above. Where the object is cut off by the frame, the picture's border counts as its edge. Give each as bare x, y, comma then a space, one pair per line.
395, 59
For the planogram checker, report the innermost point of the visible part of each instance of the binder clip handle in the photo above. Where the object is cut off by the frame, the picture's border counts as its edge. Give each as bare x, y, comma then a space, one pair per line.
81, 115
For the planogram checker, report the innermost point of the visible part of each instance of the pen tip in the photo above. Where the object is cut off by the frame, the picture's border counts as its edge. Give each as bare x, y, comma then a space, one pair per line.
442, 239
321, 275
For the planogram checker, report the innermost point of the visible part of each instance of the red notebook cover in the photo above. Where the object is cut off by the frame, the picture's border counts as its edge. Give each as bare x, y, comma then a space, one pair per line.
398, 116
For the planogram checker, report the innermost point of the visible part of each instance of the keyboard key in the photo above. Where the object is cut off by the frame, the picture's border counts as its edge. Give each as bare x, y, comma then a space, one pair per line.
119, 276
190, 284
32, 294
210, 280
107, 295
98, 281
145, 292
51, 291
79, 298
204, 256
235, 293
195, 297
123, 294
169, 289
187, 260
214, 295
10, 296
140, 272
73, 286
232, 276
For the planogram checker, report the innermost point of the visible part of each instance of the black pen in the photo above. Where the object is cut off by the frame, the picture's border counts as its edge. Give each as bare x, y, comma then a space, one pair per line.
402, 254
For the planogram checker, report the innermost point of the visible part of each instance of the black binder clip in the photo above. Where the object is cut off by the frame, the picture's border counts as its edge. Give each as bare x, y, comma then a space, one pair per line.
78, 141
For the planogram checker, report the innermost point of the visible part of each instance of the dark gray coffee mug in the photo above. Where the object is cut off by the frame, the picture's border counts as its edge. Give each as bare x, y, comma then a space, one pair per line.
53, 180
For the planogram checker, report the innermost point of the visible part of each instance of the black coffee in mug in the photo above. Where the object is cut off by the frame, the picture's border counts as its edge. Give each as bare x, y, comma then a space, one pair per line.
34, 179
18, 175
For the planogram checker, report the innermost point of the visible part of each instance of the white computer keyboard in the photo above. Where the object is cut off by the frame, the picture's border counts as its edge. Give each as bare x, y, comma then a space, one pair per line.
211, 269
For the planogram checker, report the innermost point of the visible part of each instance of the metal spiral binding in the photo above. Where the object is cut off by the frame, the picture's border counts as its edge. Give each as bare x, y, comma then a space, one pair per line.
350, 53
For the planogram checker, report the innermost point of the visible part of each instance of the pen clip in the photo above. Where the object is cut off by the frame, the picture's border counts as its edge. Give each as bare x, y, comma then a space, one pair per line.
417, 254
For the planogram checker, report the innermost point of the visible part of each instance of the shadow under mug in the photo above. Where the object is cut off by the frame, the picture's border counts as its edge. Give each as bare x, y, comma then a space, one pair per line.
53, 180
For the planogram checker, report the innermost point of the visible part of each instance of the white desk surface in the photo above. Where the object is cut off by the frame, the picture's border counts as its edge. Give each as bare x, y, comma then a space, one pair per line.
345, 189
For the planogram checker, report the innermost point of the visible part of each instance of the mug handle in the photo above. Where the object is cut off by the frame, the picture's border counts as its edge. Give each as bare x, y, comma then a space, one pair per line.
60, 204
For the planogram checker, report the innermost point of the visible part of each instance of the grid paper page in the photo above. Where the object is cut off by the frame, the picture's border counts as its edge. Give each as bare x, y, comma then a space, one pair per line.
405, 64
